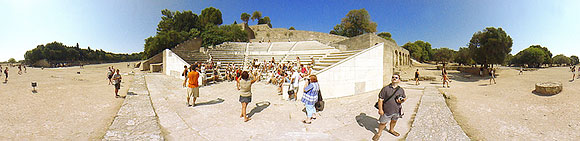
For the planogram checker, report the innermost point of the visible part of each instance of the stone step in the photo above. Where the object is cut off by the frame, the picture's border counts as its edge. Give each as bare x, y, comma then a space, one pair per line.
335, 57
318, 68
323, 64
328, 61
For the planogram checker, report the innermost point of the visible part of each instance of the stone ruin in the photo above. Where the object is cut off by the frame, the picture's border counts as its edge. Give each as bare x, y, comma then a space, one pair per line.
548, 88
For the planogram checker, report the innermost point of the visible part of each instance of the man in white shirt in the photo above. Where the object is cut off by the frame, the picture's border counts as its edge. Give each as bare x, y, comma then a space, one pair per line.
295, 80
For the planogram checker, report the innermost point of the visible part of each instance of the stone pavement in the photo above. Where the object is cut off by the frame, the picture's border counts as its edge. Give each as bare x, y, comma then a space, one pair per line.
217, 116
136, 119
434, 120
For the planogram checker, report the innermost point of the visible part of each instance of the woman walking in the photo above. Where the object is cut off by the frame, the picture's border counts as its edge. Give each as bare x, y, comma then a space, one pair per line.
245, 88
310, 97
491, 75
445, 77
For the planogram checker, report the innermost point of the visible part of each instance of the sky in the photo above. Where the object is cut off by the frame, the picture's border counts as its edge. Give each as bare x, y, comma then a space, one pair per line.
120, 26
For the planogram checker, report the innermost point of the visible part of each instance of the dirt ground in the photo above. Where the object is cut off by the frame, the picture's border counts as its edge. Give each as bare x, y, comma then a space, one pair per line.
509, 110
67, 105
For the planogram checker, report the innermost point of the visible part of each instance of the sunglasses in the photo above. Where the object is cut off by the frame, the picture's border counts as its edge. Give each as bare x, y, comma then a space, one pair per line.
394, 77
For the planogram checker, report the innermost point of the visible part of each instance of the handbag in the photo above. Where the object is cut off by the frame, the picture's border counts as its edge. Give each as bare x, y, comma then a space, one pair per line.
319, 105
377, 104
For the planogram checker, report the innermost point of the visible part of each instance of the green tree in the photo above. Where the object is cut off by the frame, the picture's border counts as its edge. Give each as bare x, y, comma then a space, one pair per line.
245, 17
355, 23
462, 57
257, 15
215, 35
443, 55
176, 27
291, 28
547, 53
574, 60
561, 59
11, 60
211, 15
265, 20
490, 46
178, 21
427, 52
534, 57
386, 36
414, 50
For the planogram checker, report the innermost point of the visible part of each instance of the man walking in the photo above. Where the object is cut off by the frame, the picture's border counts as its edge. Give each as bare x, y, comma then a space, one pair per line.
390, 99
117, 82
193, 86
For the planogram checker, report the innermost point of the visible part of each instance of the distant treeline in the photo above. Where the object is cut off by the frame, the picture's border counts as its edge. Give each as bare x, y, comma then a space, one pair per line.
58, 52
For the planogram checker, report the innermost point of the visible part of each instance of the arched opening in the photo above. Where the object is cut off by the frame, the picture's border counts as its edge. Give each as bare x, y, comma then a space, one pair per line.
395, 58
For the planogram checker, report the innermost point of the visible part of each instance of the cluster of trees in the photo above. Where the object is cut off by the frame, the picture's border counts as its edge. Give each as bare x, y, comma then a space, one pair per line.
490, 46
256, 15
536, 56
57, 51
419, 50
177, 27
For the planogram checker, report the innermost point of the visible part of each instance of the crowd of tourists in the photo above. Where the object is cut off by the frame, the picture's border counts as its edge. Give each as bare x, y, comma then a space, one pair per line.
278, 73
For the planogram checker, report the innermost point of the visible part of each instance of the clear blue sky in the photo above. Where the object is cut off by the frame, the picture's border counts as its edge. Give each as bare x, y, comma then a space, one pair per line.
121, 26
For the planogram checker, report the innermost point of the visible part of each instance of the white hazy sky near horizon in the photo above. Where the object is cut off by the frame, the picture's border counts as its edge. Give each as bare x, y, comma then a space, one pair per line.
122, 26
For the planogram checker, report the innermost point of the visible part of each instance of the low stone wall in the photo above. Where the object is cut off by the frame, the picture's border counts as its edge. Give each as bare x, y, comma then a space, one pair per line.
434, 120
474, 71
136, 119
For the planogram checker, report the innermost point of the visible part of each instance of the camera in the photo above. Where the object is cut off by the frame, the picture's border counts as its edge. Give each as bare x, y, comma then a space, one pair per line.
401, 98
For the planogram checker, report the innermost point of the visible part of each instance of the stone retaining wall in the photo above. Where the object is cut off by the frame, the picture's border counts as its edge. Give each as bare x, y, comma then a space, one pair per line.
434, 120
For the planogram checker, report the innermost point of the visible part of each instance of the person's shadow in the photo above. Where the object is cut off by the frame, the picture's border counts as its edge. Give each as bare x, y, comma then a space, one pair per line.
211, 102
369, 123
259, 107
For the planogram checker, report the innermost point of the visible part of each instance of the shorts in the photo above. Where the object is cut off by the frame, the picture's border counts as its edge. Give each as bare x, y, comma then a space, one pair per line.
384, 118
193, 92
245, 99
118, 86
110, 76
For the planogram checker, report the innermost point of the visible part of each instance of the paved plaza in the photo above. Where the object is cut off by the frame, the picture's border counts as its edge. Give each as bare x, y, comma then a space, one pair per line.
217, 114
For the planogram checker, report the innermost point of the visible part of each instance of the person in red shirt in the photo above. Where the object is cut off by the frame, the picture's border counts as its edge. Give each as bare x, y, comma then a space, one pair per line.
192, 84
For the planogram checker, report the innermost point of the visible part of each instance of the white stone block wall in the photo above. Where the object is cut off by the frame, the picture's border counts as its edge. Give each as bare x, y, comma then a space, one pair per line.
361, 73
173, 64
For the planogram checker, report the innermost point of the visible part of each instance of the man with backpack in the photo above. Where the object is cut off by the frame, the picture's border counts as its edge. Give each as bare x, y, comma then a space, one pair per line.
389, 105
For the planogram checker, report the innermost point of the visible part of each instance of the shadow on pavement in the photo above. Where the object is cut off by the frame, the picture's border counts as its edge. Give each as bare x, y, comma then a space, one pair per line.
483, 85
259, 107
211, 102
369, 123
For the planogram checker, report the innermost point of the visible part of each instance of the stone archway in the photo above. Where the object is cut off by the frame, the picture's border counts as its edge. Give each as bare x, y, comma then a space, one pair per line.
395, 63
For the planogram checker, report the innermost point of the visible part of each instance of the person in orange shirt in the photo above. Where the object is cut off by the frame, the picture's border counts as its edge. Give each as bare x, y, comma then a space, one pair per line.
193, 86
